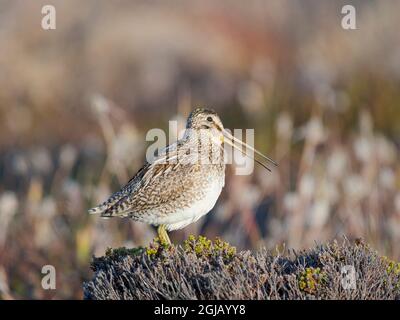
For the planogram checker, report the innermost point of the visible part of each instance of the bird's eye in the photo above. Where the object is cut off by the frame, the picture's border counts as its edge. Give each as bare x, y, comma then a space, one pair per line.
210, 119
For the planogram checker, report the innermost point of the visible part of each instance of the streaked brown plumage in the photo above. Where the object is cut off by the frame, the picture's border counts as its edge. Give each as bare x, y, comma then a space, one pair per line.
182, 183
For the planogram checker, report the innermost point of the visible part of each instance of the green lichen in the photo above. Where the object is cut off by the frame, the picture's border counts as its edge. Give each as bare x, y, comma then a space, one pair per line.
224, 248
310, 279
392, 267
116, 254
156, 247
203, 247
392, 270
123, 251
151, 252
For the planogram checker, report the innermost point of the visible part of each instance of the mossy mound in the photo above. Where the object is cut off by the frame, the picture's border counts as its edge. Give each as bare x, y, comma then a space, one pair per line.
205, 269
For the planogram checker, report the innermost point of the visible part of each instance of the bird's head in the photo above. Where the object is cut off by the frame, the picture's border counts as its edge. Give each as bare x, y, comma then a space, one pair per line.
206, 120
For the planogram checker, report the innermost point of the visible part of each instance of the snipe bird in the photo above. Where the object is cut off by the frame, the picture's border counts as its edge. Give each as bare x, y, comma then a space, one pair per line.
183, 182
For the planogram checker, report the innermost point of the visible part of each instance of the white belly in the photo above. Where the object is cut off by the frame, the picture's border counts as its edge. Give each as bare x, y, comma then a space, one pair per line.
183, 217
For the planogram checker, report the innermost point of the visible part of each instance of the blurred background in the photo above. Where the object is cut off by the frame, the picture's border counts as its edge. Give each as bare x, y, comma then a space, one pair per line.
76, 103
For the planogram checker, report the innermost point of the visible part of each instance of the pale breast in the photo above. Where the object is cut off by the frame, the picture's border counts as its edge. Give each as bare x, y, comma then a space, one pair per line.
189, 207
185, 216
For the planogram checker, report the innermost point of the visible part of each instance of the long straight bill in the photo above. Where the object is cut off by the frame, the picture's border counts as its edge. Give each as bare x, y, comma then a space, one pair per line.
228, 135
246, 154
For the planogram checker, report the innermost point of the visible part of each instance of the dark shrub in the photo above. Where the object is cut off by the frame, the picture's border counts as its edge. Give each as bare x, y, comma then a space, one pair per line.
202, 269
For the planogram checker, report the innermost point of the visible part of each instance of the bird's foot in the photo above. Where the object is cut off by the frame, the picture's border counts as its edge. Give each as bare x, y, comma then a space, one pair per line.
163, 236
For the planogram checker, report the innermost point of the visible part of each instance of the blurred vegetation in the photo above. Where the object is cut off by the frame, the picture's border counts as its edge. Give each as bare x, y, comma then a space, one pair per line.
76, 103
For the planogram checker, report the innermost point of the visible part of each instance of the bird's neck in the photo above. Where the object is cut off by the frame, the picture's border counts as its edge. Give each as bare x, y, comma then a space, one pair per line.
204, 147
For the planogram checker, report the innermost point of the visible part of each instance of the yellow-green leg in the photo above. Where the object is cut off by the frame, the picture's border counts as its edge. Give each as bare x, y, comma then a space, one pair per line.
163, 235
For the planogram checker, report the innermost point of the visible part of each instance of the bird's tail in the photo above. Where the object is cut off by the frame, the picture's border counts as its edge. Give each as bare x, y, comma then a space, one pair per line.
103, 207
99, 209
